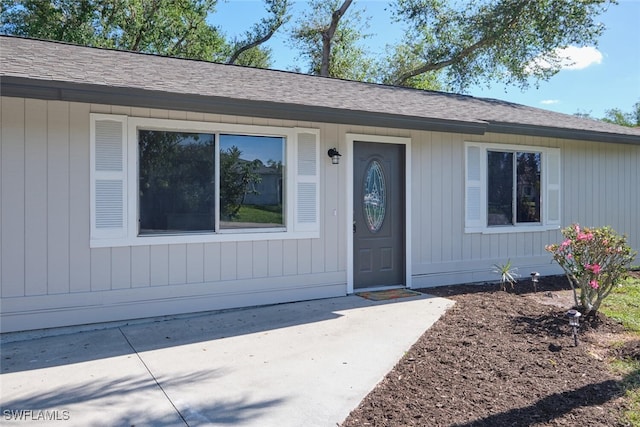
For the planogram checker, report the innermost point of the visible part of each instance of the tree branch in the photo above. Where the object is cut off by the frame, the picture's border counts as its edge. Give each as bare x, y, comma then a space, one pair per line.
236, 54
279, 10
144, 26
327, 37
464, 53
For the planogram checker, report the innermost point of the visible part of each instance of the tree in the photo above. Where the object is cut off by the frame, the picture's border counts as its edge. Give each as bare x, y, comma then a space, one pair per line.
173, 28
237, 177
618, 117
402, 58
448, 44
168, 27
260, 33
328, 38
482, 41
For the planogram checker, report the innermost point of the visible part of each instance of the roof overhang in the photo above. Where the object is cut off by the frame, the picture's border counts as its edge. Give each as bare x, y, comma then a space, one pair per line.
132, 97
564, 133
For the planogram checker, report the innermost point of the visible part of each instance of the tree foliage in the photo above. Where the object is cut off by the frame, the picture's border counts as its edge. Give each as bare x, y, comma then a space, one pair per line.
237, 179
278, 15
168, 27
174, 28
619, 117
402, 58
480, 41
448, 44
328, 38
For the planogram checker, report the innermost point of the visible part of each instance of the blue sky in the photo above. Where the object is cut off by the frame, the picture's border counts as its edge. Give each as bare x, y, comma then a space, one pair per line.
606, 77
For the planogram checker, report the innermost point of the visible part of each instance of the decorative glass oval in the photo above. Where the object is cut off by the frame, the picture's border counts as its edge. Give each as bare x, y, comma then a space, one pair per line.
375, 196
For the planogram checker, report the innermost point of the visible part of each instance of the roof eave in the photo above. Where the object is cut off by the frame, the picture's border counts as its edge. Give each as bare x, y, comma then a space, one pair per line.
91, 93
564, 133
95, 93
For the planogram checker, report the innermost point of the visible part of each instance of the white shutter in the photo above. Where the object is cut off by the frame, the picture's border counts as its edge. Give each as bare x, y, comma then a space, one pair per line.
307, 182
474, 209
552, 187
108, 176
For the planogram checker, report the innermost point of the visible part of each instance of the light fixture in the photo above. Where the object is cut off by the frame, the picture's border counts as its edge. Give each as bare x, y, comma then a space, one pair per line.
574, 322
335, 156
534, 280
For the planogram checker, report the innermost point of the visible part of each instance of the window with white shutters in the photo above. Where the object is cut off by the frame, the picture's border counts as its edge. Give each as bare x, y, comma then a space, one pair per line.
156, 181
510, 188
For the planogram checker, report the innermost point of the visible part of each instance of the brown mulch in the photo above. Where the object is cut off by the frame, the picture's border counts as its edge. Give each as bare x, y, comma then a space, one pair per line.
504, 359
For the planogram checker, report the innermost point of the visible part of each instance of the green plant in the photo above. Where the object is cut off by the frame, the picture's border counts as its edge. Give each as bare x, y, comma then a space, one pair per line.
507, 274
622, 305
595, 261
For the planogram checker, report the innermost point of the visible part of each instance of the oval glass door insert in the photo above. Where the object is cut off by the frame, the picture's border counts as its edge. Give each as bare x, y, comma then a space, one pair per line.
375, 197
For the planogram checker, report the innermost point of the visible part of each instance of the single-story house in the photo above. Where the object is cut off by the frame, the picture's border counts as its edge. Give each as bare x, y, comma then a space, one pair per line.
120, 171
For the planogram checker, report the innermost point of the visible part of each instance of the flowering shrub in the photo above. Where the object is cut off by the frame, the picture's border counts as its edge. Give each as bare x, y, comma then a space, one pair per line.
595, 260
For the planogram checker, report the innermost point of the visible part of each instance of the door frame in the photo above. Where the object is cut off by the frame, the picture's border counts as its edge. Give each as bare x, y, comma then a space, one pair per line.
349, 156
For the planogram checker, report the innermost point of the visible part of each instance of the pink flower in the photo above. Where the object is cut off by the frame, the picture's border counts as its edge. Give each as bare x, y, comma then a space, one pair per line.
569, 256
594, 284
577, 228
566, 243
584, 236
595, 268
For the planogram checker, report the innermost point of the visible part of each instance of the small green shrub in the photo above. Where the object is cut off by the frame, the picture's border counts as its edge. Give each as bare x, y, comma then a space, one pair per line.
507, 274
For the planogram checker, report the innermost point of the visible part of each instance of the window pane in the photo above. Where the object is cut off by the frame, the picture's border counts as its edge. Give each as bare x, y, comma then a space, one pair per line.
251, 179
500, 188
177, 186
528, 189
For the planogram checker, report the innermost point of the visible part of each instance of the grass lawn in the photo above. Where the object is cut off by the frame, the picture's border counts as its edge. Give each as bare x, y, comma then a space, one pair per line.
623, 304
260, 214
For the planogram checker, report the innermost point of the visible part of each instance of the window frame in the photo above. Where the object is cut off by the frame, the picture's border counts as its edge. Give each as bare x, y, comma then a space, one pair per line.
129, 236
514, 187
476, 189
218, 228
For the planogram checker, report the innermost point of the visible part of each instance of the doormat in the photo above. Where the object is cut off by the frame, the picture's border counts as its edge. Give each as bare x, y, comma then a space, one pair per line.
388, 294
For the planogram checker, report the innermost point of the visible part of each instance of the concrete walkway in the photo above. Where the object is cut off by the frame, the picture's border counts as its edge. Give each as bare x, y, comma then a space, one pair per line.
300, 364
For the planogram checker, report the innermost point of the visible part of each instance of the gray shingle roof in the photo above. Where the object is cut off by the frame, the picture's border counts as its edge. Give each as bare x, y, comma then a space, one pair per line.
54, 70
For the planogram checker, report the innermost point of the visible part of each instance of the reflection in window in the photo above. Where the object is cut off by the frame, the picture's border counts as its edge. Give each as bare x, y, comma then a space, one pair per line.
251, 179
513, 187
500, 191
176, 182
528, 187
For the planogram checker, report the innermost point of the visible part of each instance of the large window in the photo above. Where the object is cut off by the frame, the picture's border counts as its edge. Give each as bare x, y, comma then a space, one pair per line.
178, 176
511, 188
158, 181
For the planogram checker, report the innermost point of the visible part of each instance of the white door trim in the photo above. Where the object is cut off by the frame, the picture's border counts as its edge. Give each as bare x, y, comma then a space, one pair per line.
349, 156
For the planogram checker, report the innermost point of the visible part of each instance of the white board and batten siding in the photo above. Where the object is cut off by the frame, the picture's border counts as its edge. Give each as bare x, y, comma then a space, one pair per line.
597, 183
50, 274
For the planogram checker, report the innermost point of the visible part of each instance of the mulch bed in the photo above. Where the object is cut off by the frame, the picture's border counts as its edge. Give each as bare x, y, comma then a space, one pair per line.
504, 359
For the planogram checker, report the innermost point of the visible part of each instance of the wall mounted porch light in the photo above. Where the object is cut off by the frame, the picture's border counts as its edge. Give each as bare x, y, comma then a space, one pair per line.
335, 156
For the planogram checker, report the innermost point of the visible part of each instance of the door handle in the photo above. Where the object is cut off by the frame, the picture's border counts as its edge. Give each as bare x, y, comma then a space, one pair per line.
354, 227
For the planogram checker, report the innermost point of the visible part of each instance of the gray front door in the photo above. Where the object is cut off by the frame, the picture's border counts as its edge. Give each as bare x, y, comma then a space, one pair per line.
378, 215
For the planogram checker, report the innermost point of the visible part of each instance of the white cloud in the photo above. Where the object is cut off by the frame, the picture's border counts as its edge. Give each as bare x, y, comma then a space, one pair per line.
550, 101
571, 58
